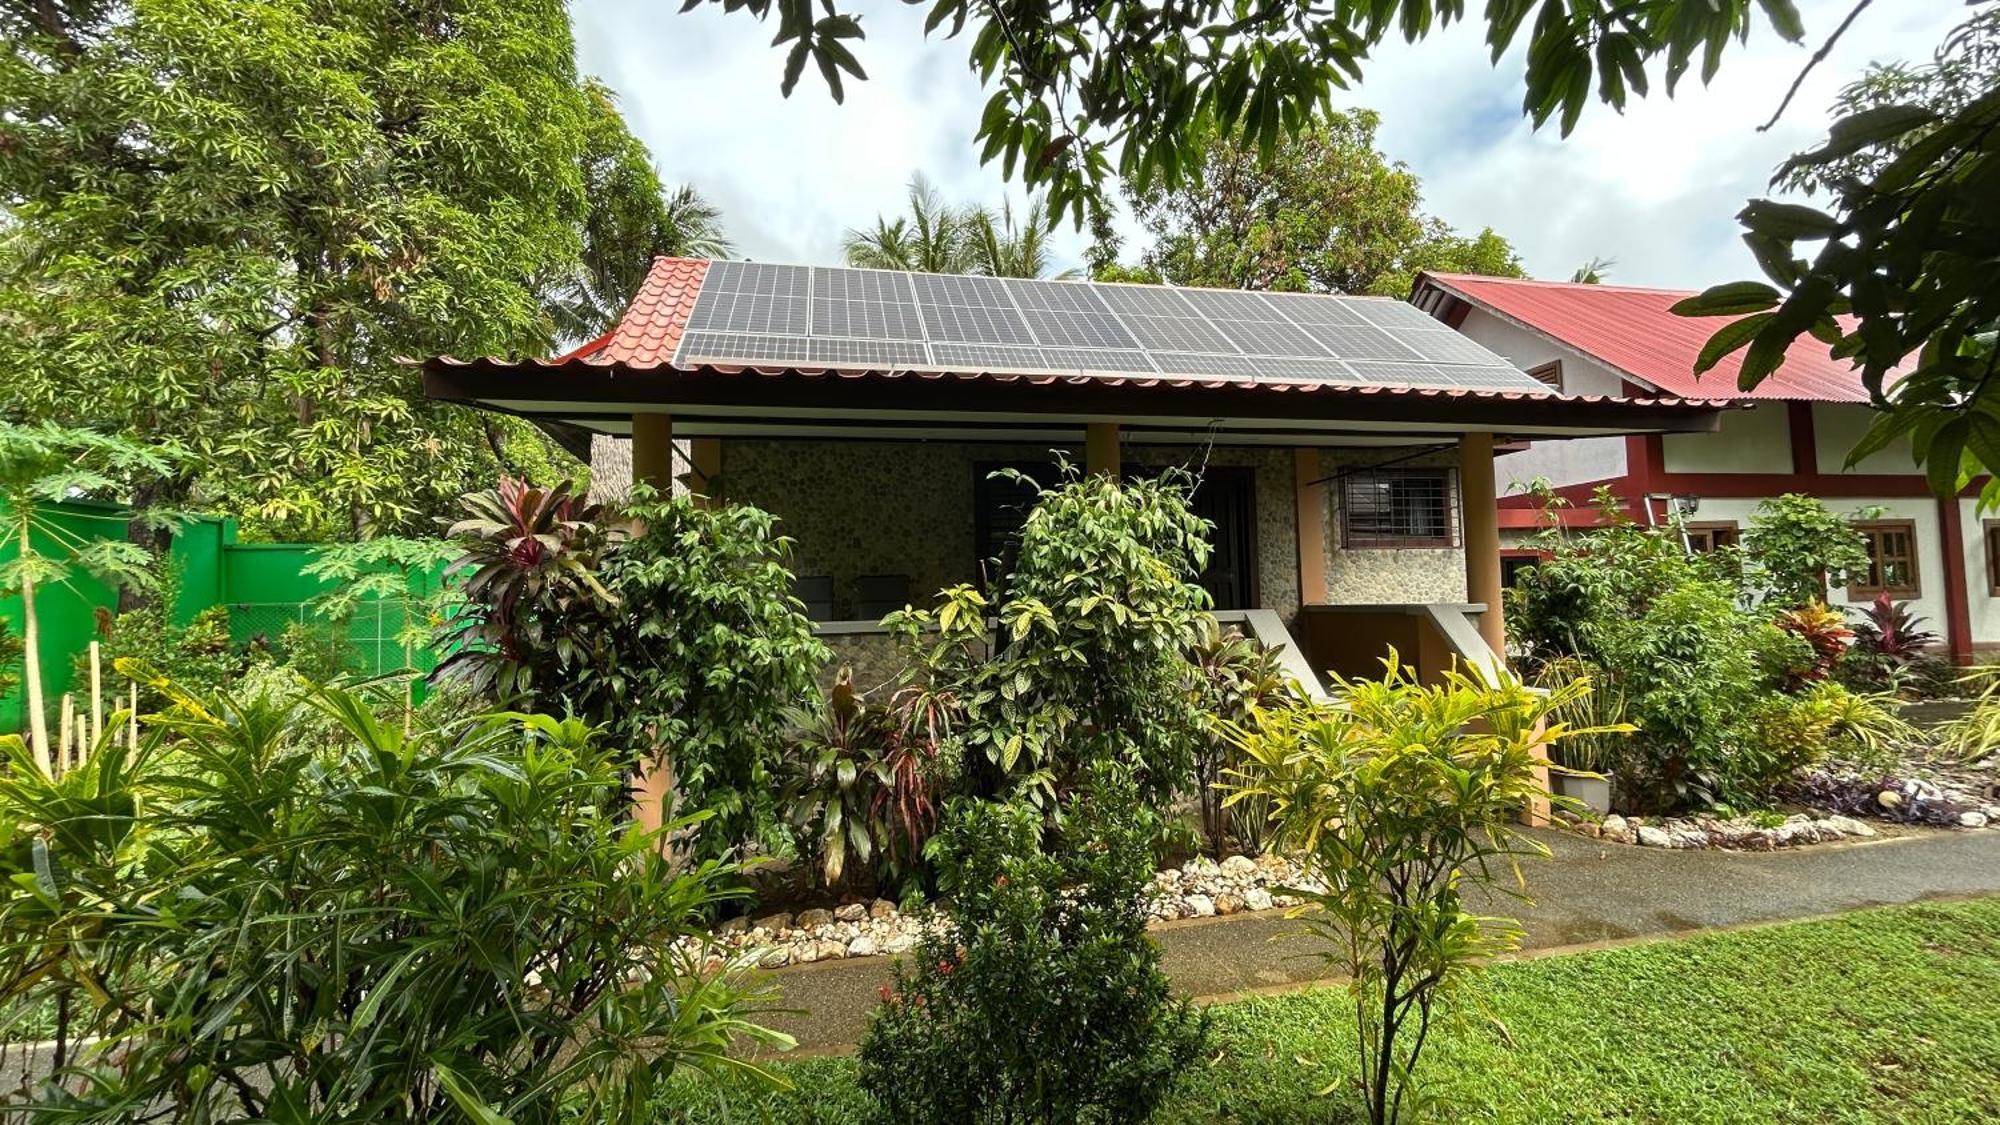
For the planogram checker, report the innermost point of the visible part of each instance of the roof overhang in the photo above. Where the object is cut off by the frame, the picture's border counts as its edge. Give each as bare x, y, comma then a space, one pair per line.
925, 406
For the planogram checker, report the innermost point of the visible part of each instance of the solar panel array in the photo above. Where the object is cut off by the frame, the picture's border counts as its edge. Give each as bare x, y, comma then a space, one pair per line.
756, 314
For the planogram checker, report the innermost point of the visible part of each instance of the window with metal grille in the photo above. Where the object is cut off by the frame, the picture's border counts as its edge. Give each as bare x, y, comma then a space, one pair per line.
1398, 508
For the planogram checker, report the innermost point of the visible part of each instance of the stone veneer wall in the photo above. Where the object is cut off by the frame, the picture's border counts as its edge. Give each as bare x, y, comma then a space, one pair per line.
1367, 577
865, 507
859, 508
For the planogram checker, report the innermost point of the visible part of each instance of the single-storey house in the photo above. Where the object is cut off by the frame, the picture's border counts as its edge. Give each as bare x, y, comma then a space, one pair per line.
1347, 446
1938, 555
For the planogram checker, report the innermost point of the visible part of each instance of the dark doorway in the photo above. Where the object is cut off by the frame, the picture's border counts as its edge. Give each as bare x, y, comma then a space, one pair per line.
1226, 498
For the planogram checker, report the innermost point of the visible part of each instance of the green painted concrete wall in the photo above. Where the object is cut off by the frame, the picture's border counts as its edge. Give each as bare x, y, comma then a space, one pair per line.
263, 585
65, 613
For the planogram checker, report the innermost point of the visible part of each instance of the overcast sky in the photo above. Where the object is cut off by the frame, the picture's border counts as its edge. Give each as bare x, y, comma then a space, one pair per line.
1655, 189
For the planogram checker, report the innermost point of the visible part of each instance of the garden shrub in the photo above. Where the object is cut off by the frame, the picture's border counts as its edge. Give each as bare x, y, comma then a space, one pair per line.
1796, 546
677, 633
1042, 1000
1399, 800
198, 654
459, 922
861, 786
1892, 651
1092, 660
1238, 679
1707, 676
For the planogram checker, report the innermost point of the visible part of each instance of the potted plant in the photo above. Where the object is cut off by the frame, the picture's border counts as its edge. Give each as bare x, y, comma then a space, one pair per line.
1584, 762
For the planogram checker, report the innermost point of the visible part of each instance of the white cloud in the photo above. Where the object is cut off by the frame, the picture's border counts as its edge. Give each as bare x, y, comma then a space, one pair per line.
1655, 188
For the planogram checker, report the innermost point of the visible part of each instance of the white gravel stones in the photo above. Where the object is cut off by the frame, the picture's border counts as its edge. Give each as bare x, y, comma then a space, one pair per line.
1201, 889
1972, 820
1654, 837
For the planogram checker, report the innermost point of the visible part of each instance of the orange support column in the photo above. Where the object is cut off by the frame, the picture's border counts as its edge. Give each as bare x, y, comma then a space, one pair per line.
705, 461
1481, 534
1100, 448
1309, 496
653, 451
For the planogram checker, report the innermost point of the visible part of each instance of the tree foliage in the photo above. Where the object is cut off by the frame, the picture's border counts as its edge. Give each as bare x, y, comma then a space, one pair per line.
226, 223
1328, 213
677, 633
1798, 546
1096, 623
1901, 271
1077, 87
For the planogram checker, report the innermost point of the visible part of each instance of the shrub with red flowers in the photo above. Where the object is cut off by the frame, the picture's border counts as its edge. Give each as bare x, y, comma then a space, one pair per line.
1043, 1000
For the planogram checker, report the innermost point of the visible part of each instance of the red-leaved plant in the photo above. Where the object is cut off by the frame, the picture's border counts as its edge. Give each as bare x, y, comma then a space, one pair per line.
1825, 632
531, 590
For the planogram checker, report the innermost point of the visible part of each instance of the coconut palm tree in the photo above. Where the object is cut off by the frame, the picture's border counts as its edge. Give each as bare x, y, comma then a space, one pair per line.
621, 240
1001, 249
932, 238
938, 237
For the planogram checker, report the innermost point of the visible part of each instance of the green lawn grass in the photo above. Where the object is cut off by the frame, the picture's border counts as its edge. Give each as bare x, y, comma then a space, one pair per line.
1884, 1015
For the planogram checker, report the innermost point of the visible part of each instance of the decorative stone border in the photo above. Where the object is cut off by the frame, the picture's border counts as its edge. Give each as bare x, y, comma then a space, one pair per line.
1202, 888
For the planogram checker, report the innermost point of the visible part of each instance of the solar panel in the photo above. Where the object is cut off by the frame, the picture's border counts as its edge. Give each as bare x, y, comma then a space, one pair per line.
867, 353
757, 314
1161, 321
969, 310
1301, 308
1253, 324
740, 348
1392, 314
991, 357
753, 297
864, 303
1278, 368
1444, 345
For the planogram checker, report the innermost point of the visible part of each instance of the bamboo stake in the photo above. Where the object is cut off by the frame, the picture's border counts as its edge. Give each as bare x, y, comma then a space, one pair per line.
96, 694
56, 759
132, 731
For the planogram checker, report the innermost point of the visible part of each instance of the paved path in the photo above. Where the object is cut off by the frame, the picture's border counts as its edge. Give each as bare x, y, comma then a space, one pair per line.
1587, 892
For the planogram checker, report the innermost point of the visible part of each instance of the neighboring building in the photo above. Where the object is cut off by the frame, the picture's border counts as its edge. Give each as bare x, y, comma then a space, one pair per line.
1347, 442
1614, 340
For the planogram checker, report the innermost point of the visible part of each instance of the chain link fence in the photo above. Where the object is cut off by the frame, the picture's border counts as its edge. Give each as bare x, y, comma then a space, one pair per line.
385, 635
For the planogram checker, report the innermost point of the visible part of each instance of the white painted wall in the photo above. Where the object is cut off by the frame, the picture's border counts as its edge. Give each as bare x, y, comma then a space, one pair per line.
1758, 440
1930, 556
1562, 462
1836, 429
1985, 608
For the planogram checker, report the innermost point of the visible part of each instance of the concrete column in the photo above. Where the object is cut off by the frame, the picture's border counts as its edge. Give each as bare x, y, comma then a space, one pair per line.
705, 457
1100, 448
1481, 535
653, 465
1309, 496
653, 451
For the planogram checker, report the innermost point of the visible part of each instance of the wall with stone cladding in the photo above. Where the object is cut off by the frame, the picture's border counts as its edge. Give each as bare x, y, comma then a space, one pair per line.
856, 508
1383, 576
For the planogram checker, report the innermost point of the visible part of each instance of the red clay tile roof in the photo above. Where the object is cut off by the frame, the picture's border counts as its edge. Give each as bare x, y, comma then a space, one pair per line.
1634, 332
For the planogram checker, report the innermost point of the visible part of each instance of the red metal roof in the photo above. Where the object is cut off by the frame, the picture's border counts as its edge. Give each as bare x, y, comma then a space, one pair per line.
1635, 332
